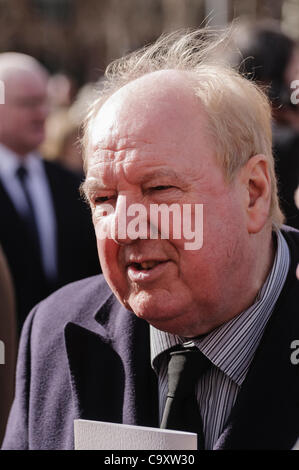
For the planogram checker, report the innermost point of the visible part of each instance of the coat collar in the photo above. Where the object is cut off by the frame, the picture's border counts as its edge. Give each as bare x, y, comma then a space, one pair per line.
109, 363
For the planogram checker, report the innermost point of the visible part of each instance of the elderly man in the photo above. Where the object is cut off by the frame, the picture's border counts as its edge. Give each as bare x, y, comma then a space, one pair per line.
172, 128
44, 221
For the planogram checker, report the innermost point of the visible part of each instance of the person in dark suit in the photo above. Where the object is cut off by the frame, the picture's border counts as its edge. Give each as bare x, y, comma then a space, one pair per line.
46, 232
176, 130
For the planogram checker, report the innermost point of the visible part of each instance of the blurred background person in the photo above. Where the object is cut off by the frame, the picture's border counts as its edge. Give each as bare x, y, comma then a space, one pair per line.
263, 53
46, 231
62, 90
63, 129
8, 338
62, 140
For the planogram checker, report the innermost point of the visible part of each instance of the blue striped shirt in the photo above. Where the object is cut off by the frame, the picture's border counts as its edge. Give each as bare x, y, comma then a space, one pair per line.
230, 348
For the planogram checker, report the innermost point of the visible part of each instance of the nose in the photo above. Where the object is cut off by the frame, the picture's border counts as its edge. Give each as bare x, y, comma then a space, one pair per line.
120, 223
130, 220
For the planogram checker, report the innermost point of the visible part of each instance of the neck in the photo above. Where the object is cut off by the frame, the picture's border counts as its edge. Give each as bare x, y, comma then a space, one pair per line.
20, 152
262, 254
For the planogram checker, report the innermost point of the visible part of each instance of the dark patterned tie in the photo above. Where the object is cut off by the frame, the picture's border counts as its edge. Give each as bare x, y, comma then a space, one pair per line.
29, 217
181, 410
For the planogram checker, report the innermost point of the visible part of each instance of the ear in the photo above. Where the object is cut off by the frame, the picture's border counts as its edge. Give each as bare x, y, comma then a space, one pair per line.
255, 177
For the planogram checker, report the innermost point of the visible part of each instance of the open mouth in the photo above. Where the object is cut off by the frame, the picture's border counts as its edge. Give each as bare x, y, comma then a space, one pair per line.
147, 271
145, 265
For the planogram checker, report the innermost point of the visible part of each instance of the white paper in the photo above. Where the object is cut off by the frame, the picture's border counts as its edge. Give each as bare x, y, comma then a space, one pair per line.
98, 435
296, 446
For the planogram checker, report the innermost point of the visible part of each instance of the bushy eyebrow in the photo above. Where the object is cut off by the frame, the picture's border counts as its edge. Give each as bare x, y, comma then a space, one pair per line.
91, 185
162, 173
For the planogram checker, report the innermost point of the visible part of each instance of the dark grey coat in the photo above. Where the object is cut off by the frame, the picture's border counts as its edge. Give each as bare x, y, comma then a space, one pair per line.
83, 355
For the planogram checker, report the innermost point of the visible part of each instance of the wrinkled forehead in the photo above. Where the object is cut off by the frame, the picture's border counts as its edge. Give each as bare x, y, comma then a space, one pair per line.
158, 107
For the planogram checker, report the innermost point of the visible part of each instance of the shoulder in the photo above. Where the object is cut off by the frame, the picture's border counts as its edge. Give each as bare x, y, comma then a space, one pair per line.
76, 302
292, 237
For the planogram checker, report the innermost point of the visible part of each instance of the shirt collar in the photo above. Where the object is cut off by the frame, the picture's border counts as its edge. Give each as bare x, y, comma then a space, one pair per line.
231, 346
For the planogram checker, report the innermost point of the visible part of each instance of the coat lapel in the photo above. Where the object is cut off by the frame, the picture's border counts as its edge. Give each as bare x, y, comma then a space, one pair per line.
110, 371
94, 388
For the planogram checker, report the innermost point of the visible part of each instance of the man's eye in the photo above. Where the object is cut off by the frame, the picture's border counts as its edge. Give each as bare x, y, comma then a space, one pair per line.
101, 199
161, 188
